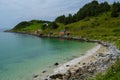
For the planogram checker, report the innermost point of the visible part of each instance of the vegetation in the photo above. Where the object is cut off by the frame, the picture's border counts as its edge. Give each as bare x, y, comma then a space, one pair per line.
99, 21
113, 73
115, 9
90, 9
29, 26
53, 25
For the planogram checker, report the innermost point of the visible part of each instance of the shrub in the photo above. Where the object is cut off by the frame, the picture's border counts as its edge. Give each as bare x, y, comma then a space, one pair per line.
53, 25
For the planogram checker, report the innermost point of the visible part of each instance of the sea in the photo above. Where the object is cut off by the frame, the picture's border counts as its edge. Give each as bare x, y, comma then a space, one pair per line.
23, 56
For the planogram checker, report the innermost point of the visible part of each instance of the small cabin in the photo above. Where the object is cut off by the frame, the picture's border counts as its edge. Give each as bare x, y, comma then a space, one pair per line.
64, 33
68, 33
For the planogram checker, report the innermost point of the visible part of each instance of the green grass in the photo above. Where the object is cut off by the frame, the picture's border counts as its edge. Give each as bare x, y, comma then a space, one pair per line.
113, 73
102, 27
32, 28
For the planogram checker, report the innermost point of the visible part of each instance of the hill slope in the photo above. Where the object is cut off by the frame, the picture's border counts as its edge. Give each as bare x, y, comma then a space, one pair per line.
102, 27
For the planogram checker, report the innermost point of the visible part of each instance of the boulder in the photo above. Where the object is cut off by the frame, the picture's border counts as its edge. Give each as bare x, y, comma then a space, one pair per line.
35, 76
56, 64
57, 76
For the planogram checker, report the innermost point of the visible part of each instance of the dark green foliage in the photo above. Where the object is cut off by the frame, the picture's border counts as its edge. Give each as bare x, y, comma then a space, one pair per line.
53, 25
114, 14
115, 9
21, 25
69, 19
116, 30
44, 26
60, 19
104, 7
74, 18
91, 9
39, 21
65, 20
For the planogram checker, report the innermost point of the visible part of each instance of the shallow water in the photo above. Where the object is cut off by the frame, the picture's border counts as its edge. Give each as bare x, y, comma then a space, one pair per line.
22, 56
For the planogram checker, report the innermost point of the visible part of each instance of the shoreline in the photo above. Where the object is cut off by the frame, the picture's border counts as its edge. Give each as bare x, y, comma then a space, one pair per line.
63, 68
96, 60
76, 38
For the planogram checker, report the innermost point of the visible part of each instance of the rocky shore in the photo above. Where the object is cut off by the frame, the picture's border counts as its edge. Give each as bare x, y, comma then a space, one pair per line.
95, 61
60, 37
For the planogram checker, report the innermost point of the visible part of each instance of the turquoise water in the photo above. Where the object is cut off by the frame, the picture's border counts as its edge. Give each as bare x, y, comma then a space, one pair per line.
22, 56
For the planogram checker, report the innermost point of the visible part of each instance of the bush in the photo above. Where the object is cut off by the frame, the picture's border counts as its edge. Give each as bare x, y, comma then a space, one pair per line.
113, 14
44, 26
53, 25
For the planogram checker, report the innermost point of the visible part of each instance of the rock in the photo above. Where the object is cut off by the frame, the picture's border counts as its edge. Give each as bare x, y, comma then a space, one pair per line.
79, 70
101, 55
56, 64
35, 76
59, 76
75, 66
67, 65
44, 71
84, 63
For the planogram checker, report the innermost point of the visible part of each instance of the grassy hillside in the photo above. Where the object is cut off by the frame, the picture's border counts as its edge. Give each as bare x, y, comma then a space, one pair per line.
29, 26
103, 27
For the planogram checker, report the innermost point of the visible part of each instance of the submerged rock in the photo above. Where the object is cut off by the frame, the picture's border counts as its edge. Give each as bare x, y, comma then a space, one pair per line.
44, 71
35, 76
56, 64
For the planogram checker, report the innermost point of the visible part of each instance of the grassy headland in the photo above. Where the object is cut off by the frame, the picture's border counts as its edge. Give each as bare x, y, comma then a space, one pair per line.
103, 25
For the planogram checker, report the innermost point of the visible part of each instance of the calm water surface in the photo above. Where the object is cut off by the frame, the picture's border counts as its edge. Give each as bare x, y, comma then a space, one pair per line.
22, 56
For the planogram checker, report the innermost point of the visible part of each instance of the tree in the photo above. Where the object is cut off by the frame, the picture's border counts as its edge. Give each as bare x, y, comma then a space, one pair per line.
104, 7
69, 19
90, 9
74, 17
115, 9
60, 19
94, 8
114, 14
53, 25
44, 26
